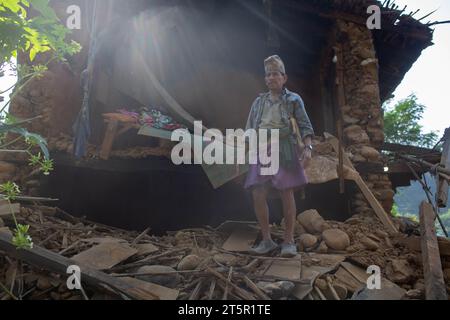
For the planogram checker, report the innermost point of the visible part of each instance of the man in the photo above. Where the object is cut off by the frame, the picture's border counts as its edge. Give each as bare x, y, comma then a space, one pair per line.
273, 110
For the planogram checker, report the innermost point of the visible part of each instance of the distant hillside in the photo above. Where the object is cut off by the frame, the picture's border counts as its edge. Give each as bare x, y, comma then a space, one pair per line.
409, 198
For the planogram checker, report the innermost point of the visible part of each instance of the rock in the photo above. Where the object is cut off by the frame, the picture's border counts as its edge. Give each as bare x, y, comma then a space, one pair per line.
415, 294
189, 262
2, 223
336, 239
382, 234
386, 194
323, 248
226, 259
356, 135
276, 290
420, 285
368, 61
307, 241
399, 271
311, 220
354, 248
370, 153
369, 243
162, 275
349, 120
376, 134
299, 229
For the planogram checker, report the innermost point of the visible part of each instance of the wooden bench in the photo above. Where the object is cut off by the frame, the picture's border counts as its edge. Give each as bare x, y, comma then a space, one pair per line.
117, 124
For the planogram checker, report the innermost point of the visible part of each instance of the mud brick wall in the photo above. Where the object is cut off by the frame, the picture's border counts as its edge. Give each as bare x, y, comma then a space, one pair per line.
362, 114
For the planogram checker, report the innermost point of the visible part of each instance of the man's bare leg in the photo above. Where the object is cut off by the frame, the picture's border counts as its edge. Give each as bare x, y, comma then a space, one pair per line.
262, 210
289, 212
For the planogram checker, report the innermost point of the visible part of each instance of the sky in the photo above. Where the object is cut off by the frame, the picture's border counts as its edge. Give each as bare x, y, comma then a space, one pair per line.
429, 76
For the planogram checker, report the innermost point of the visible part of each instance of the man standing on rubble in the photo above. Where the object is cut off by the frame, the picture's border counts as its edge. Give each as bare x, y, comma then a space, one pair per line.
273, 110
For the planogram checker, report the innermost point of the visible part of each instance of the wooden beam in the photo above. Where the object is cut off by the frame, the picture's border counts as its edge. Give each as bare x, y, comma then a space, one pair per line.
53, 262
443, 184
108, 140
340, 104
412, 150
432, 268
376, 206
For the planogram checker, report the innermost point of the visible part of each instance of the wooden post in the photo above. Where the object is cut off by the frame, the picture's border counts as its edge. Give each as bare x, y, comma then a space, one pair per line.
340, 104
442, 187
432, 268
110, 134
376, 206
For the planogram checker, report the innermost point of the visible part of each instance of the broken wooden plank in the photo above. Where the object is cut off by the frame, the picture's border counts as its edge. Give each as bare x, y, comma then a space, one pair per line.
432, 268
240, 240
53, 262
244, 294
374, 203
145, 248
346, 279
163, 293
105, 255
259, 293
288, 269
413, 243
442, 190
108, 140
6, 210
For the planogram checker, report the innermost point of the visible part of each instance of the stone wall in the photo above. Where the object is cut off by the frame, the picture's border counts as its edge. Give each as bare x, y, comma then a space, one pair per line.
362, 114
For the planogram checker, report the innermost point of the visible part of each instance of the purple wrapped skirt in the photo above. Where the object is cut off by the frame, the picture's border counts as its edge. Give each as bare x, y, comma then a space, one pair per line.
284, 179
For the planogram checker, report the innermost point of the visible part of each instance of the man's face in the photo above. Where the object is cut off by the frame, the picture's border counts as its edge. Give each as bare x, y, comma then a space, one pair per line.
275, 80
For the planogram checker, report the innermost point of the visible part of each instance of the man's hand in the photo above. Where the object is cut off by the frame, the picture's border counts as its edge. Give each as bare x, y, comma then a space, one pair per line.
306, 157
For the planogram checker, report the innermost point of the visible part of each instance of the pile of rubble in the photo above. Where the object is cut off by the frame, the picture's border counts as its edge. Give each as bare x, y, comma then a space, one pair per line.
207, 263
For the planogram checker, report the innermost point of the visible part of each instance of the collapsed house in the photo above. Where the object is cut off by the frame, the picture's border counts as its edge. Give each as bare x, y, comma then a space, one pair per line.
202, 60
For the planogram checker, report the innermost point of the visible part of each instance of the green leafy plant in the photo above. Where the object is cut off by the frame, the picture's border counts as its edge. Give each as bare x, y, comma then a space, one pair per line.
401, 123
35, 33
21, 239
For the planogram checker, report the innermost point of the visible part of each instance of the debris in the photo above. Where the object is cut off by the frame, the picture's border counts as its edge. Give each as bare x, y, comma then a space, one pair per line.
336, 239
193, 265
307, 241
240, 240
149, 291
162, 275
285, 269
399, 271
432, 267
312, 221
189, 262
276, 290
323, 248
105, 255
145, 248
369, 243
386, 292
